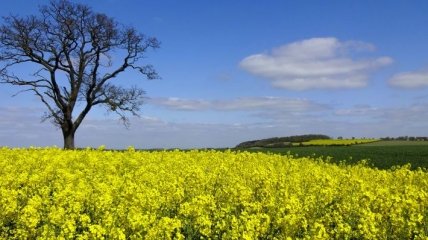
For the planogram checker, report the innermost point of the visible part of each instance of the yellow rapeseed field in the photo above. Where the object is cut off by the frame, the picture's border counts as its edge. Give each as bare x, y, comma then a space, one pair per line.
337, 142
94, 194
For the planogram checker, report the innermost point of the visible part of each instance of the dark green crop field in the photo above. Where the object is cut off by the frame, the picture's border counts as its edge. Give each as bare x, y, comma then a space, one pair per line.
382, 154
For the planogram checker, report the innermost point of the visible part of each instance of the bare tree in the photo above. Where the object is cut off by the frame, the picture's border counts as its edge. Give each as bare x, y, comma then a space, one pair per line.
73, 49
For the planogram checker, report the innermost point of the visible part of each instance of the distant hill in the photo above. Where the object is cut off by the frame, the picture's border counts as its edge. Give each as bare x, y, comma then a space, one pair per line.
281, 141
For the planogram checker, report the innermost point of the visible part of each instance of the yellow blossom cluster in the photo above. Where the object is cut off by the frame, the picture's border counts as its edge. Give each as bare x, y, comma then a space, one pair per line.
337, 142
96, 194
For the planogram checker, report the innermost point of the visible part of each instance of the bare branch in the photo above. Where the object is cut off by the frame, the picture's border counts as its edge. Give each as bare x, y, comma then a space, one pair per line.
55, 114
121, 100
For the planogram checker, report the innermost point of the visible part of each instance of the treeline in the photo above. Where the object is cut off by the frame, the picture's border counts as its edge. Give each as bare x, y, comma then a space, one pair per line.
281, 141
405, 138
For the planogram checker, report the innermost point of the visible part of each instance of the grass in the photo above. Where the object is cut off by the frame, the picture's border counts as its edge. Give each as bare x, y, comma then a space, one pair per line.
382, 154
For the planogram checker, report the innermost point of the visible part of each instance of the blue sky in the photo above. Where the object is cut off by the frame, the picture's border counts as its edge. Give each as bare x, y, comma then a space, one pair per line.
240, 70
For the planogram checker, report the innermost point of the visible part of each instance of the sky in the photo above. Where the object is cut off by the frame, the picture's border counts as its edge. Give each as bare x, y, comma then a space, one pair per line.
233, 71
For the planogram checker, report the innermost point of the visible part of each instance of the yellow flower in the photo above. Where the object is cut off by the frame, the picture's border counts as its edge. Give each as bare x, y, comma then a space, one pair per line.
49, 193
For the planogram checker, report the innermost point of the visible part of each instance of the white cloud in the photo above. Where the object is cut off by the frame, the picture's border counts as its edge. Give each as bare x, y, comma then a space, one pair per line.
317, 63
358, 110
180, 104
408, 116
239, 104
414, 79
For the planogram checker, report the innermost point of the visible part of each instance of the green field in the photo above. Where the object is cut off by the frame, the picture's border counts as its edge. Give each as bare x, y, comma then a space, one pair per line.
382, 154
397, 143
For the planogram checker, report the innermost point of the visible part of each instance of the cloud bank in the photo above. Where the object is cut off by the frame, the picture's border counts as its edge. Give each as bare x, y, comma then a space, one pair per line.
238, 104
316, 63
21, 127
410, 80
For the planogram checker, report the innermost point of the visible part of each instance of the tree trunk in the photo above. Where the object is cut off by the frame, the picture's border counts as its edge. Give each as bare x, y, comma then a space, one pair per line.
68, 139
